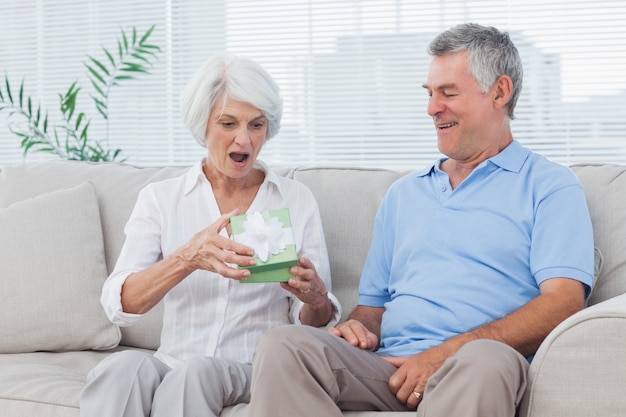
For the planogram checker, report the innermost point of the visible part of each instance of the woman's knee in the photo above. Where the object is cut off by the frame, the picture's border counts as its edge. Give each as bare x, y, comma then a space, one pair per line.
128, 364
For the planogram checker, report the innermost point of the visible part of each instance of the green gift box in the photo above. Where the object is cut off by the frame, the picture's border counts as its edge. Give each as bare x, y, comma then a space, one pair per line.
270, 234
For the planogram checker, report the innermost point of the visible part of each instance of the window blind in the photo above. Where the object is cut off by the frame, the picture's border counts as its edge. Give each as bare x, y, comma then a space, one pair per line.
350, 73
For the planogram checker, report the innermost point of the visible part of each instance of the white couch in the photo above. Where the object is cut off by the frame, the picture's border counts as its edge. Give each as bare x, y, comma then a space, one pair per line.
57, 249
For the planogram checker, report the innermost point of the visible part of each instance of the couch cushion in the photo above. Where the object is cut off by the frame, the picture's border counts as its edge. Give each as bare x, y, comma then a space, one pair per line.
117, 186
605, 190
52, 267
45, 384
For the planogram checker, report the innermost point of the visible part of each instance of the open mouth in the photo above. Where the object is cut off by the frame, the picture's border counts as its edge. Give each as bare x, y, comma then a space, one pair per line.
239, 157
446, 125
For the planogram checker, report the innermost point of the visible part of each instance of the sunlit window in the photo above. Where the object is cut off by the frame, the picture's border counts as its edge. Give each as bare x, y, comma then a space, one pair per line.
350, 72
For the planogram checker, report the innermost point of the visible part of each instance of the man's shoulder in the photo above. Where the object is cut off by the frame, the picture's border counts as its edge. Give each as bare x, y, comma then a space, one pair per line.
540, 167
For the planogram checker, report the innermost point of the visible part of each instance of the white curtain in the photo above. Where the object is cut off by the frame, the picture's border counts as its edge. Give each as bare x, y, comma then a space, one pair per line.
350, 72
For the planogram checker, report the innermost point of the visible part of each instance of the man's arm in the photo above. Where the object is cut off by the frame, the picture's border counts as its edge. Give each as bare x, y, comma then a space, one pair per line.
523, 329
362, 328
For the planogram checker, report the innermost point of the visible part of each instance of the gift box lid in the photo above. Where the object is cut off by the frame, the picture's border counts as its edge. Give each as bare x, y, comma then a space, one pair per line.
269, 233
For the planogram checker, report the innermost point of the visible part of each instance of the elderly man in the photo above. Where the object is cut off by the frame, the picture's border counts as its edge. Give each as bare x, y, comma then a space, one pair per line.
474, 260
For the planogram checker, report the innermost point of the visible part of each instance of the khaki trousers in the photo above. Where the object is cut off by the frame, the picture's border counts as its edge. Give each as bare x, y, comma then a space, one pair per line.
135, 384
303, 371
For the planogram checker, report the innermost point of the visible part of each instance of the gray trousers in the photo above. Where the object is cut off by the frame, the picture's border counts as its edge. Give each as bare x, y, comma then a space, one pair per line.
135, 384
303, 371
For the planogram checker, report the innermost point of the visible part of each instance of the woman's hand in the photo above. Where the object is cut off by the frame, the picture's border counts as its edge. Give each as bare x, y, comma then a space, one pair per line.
311, 290
210, 251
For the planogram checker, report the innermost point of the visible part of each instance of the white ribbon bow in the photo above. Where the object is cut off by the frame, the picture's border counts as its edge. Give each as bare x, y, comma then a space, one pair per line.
265, 237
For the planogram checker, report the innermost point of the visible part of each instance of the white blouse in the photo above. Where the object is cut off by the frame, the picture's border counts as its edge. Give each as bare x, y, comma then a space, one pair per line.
207, 314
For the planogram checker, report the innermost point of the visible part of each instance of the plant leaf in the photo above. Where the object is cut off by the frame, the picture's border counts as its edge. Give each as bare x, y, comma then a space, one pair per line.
132, 67
21, 94
79, 119
96, 74
6, 80
99, 65
146, 35
97, 87
102, 109
83, 134
108, 54
141, 58
125, 41
147, 49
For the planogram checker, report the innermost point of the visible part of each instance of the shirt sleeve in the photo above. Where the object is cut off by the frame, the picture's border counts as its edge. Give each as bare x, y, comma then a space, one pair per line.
562, 240
374, 282
141, 249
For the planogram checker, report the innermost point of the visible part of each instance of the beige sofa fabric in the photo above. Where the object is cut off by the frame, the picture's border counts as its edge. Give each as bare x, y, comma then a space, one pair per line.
605, 189
117, 186
52, 267
579, 370
348, 199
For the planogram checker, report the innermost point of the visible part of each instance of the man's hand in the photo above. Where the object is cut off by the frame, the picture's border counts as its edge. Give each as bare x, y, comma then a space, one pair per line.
413, 373
362, 329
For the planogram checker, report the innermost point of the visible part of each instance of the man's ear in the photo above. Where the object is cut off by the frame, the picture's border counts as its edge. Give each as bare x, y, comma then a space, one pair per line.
501, 91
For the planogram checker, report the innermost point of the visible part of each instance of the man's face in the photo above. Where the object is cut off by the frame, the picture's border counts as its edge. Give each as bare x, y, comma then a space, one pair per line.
465, 118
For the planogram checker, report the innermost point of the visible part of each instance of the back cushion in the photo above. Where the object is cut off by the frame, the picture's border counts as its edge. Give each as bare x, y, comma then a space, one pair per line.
605, 189
348, 199
117, 186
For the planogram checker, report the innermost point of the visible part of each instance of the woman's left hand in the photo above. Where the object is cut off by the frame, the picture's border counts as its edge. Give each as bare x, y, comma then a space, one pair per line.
306, 284
311, 290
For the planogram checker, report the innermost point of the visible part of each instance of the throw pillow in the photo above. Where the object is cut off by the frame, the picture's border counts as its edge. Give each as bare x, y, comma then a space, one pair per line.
52, 268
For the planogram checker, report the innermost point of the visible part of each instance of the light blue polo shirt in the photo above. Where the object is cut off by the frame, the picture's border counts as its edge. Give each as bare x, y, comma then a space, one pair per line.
444, 262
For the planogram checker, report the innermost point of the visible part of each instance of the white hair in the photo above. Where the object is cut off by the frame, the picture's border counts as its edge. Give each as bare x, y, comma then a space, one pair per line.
230, 76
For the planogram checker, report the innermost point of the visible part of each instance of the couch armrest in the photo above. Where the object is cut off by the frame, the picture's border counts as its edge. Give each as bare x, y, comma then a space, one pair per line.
580, 369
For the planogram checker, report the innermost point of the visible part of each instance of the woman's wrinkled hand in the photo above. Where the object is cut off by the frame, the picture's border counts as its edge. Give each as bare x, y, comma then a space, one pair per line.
210, 251
309, 288
306, 283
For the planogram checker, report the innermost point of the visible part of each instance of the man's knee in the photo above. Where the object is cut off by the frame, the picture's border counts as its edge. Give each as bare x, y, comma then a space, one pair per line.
280, 338
489, 357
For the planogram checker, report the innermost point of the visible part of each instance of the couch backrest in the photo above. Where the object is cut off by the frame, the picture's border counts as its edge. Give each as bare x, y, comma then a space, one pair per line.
348, 199
605, 190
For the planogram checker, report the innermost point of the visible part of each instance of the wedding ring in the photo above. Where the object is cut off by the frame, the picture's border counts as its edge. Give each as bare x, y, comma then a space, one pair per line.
417, 395
305, 292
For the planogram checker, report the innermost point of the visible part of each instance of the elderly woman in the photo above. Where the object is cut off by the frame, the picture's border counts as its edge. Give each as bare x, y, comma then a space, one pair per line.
178, 249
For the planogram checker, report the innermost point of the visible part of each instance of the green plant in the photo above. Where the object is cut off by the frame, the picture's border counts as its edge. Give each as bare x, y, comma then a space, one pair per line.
70, 139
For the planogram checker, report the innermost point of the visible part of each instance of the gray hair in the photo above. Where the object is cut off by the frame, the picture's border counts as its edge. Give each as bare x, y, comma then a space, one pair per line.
491, 53
238, 78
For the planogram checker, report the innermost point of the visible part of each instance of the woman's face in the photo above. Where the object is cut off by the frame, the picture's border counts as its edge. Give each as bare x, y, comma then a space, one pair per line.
234, 137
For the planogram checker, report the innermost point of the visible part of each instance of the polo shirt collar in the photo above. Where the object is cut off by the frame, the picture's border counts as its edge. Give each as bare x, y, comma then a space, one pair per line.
511, 158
